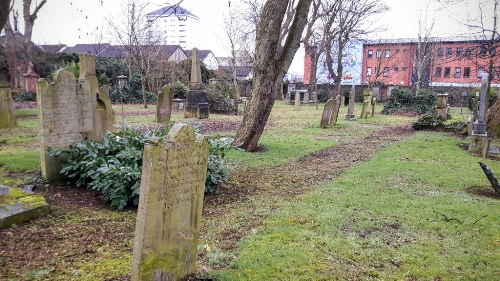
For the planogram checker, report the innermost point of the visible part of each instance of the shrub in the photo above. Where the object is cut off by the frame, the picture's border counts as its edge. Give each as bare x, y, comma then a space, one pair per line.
322, 96
25, 96
221, 95
401, 100
132, 92
113, 166
69, 65
179, 90
429, 121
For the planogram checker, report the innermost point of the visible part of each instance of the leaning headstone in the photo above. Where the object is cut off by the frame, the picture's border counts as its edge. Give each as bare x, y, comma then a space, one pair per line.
196, 101
170, 206
327, 113
164, 105
350, 111
336, 109
297, 101
7, 114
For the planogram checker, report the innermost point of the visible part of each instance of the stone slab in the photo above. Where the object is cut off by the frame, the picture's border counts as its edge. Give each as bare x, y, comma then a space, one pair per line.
17, 207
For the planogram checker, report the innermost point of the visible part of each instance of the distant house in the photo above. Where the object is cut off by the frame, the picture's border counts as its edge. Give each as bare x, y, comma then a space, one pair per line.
179, 25
242, 72
207, 57
53, 48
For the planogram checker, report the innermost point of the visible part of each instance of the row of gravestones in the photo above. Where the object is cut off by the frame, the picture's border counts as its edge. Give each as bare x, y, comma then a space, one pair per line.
174, 171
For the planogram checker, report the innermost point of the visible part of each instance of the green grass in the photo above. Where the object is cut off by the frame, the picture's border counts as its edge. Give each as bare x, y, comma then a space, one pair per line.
20, 160
26, 112
405, 215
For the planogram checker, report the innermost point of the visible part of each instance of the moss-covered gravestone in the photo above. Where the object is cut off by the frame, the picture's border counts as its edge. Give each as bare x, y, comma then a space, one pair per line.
327, 113
18, 206
7, 115
170, 205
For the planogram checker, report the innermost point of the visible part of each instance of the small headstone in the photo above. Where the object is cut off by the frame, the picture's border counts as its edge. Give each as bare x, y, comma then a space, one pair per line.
327, 112
336, 109
170, 206
7, 114
164, 105
297, 101
470, 126
350, 112
374, 104
367, 100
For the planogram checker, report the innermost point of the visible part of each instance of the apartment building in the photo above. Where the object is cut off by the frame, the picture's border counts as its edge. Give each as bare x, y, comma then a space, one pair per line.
179, 26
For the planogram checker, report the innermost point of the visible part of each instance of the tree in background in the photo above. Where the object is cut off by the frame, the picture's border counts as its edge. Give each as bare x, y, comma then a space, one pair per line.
424, 51
277, 40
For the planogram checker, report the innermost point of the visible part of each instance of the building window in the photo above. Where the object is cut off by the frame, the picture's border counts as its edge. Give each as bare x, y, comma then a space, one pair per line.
446, 72
396, 68
403, 68
468, 53
405, 50
386, 71
498, 71
466, 72
482, 51
387, 53
438, 72
370, 54
440, 53
397, 51
480, 71
459, 53
448, 52
458, 71
379, 53
368, 72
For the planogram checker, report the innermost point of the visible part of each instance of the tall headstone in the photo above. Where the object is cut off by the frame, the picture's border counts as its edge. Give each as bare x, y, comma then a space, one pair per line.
297, 101
327, 113
30, 79
334, 117
350, 111
170, 206
441, 108
164, 105
7, 114
70, 111
479, 135
367, 100
196, 101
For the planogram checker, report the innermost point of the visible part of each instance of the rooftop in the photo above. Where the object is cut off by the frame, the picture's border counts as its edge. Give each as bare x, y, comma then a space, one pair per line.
172, 10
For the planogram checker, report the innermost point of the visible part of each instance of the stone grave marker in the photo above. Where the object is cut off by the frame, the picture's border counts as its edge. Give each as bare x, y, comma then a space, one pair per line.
336, 109
327, 112
164, 105
7, 114
196, 101
367, 100
479, 135
441, 108
374, 104
170, 206
297, 101
70, 111
30, 79
350, 111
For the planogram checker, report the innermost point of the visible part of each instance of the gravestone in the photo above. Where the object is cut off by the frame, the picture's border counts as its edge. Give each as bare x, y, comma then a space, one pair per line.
196, 101
164, 105
305, 100
441, 108
475, 107
170, 206
7, 114
336, 109
367, 100
70, 111
30, 79
374, 104
479, 135
350, 111
297, 101
327, 113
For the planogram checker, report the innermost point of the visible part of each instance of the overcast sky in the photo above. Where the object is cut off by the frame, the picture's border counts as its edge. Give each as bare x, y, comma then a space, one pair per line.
69, 21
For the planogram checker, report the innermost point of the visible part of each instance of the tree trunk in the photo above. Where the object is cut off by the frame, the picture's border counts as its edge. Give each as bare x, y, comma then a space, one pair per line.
271, 63
144, 96
311, 52
4, 11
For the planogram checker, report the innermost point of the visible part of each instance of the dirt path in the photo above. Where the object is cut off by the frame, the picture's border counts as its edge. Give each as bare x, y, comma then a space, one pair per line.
257, 192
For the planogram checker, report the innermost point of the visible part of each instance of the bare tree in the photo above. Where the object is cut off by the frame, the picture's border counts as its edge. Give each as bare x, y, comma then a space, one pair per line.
354, 19
234, 36
134, 32
423, 52
277, 40
4, 11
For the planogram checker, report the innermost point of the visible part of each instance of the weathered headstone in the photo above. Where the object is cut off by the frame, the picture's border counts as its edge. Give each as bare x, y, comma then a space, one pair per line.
367, 100
374, 104
297, 101
164, 105
336, 109
475, 107
441, 108
350, 111
470, 126
479, 135
70, 111
7, 114
196, 101
170, 206
327, 113
30, 79
305, 100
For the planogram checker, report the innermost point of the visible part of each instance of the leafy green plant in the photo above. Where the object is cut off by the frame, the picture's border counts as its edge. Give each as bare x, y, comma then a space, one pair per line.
113, 166
322, 96
69, 65
217, 166
401, 100
179, 90
25, 96
429, 121
221, 95
132, 92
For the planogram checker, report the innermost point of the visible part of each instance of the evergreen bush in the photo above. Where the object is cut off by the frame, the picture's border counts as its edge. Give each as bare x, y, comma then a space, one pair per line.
179, 90
401, 100
132, 92
221, 95
25, 96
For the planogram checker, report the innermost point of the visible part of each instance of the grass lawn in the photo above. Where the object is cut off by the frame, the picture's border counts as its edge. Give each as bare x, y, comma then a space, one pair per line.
364, 200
